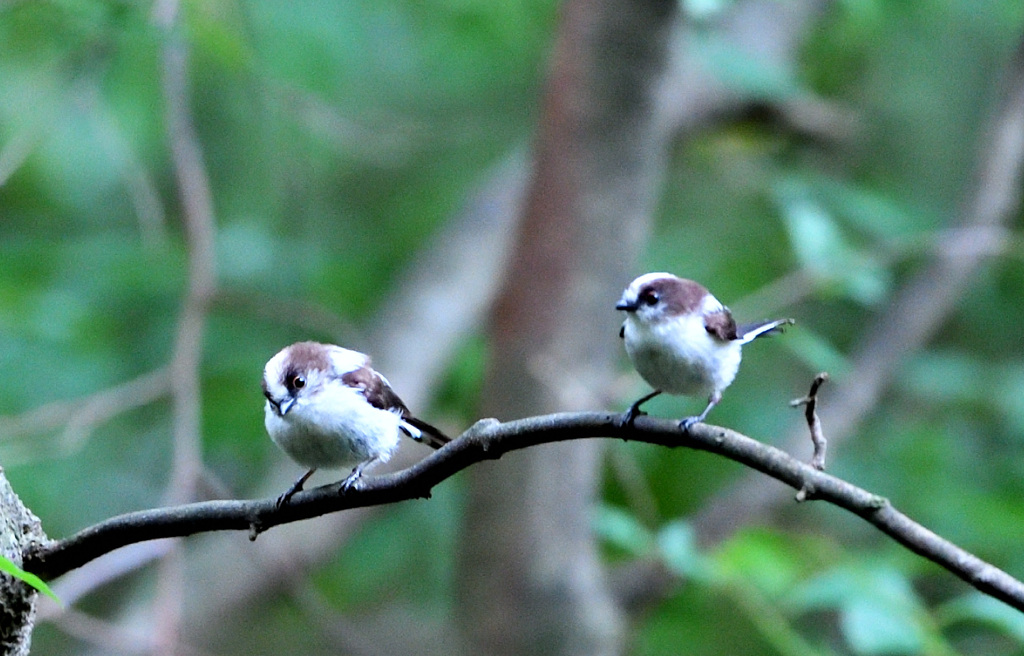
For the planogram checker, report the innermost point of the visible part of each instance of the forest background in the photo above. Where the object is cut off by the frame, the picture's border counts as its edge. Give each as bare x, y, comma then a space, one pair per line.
453, 186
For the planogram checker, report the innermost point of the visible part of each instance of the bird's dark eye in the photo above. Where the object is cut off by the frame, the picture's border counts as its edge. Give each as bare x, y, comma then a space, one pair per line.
649, 297
297, 382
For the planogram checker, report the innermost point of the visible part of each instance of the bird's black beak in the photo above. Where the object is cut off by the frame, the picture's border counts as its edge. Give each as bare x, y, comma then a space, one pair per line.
281, 408
626, 306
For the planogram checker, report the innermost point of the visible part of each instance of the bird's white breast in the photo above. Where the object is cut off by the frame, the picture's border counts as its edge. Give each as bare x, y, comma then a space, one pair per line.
677, 355
334, 428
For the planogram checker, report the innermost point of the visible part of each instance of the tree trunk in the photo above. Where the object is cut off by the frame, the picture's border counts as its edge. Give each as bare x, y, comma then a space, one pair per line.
530, 578
19, 529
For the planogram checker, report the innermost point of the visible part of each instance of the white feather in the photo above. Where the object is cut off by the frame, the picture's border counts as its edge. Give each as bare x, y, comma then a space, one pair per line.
334, 428
756, 332
677, 355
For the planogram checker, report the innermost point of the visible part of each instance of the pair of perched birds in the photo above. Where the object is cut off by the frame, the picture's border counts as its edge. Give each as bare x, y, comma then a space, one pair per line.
326, 407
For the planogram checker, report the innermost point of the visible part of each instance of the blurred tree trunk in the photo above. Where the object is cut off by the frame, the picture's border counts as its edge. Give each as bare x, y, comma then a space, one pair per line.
530, 580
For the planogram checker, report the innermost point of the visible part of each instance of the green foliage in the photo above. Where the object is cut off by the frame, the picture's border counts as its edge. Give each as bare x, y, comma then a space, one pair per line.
878, 611
7, 566
414, 543
977, 608
825, 252
778, 584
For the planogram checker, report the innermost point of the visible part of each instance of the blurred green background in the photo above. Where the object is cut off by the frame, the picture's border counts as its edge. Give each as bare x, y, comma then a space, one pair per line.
343, 143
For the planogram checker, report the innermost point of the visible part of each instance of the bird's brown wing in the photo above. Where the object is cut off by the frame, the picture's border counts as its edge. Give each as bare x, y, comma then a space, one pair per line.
376, 389
720, 325
379, 394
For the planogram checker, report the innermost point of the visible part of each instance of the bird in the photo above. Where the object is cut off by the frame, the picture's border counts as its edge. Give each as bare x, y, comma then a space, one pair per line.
682, 340
326, 407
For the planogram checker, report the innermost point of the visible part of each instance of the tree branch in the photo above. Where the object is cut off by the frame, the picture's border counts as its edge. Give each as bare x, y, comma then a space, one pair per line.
489, 439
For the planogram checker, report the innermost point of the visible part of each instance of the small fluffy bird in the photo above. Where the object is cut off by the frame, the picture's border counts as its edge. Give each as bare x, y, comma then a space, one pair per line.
682, 340
326, 407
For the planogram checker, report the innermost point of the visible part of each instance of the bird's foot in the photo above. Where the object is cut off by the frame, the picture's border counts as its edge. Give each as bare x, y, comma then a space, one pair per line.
283, 500
688, 422
353, 478
629, 416
350, 481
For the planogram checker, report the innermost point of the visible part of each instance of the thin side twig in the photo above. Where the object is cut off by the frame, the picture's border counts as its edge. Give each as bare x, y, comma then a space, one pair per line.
810, 403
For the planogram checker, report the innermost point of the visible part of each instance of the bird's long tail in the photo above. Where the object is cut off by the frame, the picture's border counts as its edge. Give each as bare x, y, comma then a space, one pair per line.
751, 331
424, 432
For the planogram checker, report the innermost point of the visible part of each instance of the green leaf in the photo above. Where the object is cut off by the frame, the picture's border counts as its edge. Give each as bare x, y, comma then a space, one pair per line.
824, 249
817, 351
878, 610
7, 566
756, 76
981, 608
949, 376
623, 530
678, 546
818, 242
871, 212
768, 561
879, 628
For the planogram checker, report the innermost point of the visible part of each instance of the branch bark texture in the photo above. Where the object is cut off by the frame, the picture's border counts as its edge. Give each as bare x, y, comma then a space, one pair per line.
20, 531
489, 439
